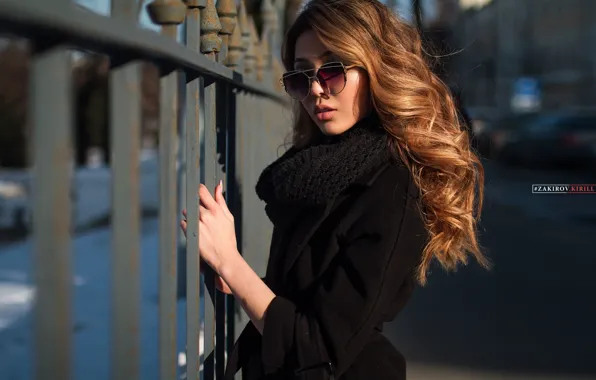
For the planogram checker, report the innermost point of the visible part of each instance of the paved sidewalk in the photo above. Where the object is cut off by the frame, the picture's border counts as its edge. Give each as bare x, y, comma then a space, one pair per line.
529, 318
425, 372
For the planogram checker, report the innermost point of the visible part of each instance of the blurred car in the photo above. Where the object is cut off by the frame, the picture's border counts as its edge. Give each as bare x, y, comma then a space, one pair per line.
14, 206
481, 123
553, 139
500, 132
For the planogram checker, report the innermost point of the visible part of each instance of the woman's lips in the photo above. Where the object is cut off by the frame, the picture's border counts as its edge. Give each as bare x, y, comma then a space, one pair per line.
324, 115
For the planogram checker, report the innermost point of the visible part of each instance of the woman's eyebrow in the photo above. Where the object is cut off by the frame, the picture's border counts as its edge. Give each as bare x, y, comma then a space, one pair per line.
307, 60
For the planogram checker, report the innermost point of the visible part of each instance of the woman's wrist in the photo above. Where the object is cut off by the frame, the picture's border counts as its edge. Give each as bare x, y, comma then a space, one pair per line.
231, 266
248, 288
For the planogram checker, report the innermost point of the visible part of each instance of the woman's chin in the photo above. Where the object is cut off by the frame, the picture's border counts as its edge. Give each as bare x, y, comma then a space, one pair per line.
330, 127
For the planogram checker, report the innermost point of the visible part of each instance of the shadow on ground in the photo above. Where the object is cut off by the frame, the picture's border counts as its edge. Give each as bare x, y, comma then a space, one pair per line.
10, 236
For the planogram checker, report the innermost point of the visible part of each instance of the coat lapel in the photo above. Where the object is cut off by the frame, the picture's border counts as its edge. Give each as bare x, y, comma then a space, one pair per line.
312, 220
308, 225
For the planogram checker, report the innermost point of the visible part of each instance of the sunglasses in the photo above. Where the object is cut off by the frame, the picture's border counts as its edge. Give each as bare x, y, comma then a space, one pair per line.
331, 76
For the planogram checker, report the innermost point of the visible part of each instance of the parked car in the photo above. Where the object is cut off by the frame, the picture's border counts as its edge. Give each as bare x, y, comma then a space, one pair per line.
14, 206
481, 123
498, 133
553, 139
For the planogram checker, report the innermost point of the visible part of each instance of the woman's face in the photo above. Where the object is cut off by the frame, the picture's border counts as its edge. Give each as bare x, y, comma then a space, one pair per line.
333, 114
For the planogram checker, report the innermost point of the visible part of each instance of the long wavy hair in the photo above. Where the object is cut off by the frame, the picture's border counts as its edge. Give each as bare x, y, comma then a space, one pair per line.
415, 108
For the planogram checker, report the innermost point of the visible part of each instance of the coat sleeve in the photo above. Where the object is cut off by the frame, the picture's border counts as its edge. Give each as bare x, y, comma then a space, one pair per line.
351, 298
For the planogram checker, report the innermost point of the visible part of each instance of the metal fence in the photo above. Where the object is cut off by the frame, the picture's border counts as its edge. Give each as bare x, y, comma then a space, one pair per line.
222, 116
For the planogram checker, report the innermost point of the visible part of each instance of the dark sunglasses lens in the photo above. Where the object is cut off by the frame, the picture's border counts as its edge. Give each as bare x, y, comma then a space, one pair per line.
332, 78
296, 85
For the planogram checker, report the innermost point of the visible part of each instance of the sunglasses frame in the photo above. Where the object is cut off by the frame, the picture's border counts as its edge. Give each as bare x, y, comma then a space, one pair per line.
315, 77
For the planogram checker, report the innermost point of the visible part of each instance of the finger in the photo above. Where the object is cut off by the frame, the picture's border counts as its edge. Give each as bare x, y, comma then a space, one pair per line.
183, 225
220, 285
219, 193
219, 198
184, 213
206, 198
202, 212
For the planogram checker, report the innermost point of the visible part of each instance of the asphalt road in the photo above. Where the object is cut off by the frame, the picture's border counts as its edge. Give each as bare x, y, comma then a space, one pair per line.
534, 315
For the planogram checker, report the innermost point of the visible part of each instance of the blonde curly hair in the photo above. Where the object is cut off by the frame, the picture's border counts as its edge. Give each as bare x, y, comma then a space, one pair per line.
416, 108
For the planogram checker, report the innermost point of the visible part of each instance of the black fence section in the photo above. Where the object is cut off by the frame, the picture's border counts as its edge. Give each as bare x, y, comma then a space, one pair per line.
222, 116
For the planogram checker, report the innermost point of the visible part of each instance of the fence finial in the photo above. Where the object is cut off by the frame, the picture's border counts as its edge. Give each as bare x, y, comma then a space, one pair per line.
166, 12
265, 52
210, 27
243, 20
258, 50
270, 29
226, 9
236, 49
250, 59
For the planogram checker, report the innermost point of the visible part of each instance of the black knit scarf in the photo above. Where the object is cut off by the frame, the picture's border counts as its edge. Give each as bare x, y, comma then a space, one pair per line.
315, 175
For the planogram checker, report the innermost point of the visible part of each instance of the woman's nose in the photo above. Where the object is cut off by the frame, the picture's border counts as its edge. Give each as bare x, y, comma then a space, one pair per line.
316, 88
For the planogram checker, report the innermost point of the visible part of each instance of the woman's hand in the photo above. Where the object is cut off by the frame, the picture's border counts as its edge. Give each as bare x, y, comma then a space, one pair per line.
217, 236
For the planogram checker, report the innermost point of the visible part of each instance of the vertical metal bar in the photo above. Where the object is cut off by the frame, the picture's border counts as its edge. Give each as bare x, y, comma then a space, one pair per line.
211, 174
194, 117
233, 193
210, 46
168, 220
125, 125
221, 162
193, 307
125, 120
50, 113
241, 162
251, 140
261, 148
181, 178
181, 279
267, 146
255, 149
244, 126
248, 223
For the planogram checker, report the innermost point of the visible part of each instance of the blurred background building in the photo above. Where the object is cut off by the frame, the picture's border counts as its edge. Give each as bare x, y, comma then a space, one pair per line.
542, 45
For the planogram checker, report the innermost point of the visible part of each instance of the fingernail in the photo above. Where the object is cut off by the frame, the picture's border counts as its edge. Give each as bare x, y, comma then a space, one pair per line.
220, 183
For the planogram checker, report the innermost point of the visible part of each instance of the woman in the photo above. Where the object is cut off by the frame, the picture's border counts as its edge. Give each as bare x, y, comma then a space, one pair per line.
380, 181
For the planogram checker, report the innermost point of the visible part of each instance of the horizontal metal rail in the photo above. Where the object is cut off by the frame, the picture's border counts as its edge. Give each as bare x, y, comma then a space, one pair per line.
55, 24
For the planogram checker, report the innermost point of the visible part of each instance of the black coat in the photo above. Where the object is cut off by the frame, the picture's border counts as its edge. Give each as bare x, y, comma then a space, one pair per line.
339, 273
